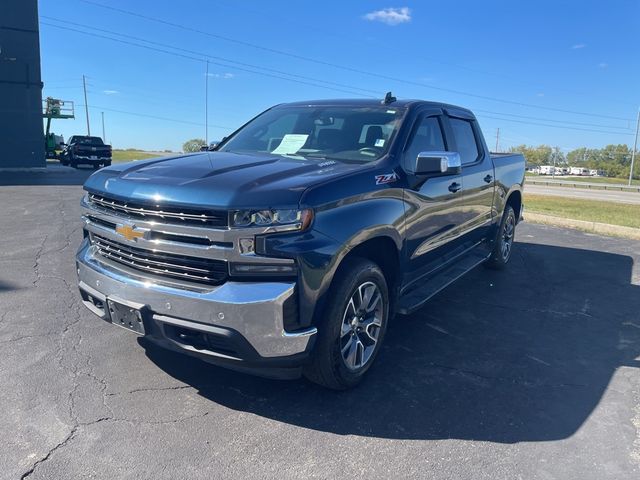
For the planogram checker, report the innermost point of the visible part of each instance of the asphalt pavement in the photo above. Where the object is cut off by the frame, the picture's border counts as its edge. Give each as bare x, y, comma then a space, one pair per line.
527, 373
618, 196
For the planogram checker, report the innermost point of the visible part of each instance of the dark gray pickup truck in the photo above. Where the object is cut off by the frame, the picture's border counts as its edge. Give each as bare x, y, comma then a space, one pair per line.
290, 248
82, 149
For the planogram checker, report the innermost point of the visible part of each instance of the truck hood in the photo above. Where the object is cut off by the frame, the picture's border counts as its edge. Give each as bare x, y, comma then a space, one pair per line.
217, 179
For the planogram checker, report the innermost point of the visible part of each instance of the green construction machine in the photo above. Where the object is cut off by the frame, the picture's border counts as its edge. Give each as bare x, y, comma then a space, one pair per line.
55, 108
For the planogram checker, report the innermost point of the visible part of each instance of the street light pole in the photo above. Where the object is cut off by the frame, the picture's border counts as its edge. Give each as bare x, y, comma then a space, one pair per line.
104, 137
206, 106
635, 147
86, 105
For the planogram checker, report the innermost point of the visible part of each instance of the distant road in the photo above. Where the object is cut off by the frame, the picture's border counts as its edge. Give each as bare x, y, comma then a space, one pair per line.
584, 193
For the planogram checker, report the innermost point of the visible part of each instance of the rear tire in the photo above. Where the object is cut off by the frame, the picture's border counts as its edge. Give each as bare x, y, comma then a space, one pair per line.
353, 326
503, 245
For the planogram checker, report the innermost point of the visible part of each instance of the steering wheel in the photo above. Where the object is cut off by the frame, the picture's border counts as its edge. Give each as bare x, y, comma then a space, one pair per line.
369, 149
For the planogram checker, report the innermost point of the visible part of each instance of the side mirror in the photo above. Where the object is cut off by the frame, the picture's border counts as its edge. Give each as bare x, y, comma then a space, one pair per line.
438, 163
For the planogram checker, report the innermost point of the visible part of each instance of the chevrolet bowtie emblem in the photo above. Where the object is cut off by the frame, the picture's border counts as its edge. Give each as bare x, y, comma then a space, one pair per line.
129, 232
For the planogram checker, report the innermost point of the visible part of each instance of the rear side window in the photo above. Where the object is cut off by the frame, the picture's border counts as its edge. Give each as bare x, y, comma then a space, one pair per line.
427, 137
465, 140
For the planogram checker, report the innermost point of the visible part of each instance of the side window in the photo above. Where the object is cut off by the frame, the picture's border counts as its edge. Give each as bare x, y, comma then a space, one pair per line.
465, 140
427, 137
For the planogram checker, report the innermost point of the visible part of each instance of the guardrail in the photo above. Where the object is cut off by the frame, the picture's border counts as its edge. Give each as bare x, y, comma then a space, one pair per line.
587, 185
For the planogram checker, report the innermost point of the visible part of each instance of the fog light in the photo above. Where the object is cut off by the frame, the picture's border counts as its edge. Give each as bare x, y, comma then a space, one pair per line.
247, 245
262, 269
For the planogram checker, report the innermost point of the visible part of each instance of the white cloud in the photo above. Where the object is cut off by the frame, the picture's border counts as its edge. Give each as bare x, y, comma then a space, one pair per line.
540, 94
222, 75
603, 65
578, 46
110, 92
390, 16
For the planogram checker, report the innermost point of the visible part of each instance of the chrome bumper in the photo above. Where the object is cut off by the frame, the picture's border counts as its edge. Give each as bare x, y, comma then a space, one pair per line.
255, 310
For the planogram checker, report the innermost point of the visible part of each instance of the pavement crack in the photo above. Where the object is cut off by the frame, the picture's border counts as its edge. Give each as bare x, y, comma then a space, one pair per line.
150, 389
48, 455
36, 261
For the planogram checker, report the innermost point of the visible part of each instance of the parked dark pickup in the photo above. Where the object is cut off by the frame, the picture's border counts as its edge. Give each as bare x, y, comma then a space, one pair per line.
86, 150
291, 247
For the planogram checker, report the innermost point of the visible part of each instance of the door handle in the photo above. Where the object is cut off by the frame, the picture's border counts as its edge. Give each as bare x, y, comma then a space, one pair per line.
488, 178
454, 187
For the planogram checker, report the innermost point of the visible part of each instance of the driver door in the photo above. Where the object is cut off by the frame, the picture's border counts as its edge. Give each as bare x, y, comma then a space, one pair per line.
436, 213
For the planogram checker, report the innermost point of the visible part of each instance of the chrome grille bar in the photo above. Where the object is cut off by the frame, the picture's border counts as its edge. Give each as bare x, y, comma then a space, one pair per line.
208, 271
166, 214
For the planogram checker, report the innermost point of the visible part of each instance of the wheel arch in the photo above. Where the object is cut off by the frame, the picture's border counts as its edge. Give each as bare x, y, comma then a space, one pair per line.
514, 199
384, 251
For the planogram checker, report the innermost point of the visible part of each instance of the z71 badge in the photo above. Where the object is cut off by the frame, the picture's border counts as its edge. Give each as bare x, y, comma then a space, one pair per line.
386, 178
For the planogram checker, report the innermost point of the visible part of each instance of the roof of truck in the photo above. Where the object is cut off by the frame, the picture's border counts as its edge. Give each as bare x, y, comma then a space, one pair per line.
371, 102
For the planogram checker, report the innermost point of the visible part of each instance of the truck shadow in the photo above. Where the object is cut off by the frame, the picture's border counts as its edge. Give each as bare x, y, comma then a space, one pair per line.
520, 355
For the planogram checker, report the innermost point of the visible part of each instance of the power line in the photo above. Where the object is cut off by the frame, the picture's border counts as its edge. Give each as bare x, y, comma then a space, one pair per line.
343, 67
553, 126
155, 117
198, 58
202, 57
551, 120
190, 55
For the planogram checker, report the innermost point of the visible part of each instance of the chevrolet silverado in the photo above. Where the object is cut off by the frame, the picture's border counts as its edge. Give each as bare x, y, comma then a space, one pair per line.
290, 248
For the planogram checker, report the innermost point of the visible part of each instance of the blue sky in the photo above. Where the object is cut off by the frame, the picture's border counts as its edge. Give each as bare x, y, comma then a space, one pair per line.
553, 72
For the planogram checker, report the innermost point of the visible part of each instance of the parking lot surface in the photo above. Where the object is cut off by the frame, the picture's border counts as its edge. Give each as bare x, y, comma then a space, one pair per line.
528, 373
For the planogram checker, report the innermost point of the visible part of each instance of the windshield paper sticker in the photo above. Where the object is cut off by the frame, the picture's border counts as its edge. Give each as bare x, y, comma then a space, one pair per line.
386, 178
290, 144
379, 142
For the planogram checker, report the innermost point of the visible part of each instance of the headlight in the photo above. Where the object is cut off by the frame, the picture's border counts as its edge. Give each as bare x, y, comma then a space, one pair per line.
276, 220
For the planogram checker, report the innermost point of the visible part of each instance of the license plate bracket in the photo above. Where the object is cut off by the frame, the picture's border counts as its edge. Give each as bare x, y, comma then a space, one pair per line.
130, 317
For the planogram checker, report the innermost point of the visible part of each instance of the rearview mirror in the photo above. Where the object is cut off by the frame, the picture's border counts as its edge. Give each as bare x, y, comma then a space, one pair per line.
438, 163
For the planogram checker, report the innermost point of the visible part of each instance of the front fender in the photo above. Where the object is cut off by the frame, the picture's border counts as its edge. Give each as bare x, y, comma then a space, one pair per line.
337, 229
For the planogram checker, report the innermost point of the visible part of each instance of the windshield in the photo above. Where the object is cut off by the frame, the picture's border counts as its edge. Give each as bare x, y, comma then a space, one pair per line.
94, 141
348, 133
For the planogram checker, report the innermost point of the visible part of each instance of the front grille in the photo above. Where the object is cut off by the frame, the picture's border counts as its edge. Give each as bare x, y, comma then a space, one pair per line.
162, 213
199, 270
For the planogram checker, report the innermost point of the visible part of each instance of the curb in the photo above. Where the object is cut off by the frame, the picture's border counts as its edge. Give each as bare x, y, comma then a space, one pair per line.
591, 227
58, 169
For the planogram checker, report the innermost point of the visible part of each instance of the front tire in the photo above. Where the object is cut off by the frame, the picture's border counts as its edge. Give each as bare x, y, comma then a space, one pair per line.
353, 326
503, 245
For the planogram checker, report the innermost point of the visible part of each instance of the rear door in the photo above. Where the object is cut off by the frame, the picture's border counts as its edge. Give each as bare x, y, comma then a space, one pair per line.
478, 174
435, 217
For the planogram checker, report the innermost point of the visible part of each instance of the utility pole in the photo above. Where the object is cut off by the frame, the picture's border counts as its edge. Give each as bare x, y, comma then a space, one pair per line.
104, 137
206, 106
497, 139
86, 105
553, 174
635, 147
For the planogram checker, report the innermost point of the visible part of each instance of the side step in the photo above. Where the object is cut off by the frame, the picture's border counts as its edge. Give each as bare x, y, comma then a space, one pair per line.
416, 298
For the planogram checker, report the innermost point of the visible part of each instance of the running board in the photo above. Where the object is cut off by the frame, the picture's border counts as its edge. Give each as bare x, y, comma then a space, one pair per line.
414, 299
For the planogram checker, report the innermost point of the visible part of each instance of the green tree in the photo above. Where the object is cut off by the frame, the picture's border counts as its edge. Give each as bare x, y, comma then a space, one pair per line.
613, 160
540, 155
193, 145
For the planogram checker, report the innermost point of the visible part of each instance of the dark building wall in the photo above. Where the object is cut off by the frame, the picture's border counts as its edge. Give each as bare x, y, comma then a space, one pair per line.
21, 131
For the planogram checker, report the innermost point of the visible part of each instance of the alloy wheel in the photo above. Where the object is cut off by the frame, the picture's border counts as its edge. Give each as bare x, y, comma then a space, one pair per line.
361, 325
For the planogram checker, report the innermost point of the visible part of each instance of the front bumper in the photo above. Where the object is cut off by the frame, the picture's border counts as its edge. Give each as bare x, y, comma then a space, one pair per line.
238, 324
